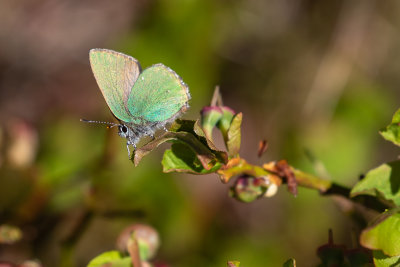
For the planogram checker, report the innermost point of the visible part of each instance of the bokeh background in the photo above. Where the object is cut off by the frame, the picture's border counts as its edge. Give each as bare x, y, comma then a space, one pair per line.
315, 78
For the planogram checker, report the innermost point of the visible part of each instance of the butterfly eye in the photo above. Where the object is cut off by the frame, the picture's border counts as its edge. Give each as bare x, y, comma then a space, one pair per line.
124, 129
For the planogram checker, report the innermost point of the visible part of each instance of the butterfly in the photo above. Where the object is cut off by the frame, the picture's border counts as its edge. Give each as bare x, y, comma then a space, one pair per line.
141, 101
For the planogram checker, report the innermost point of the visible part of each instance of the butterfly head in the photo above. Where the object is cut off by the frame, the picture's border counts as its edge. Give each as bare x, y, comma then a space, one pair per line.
124, 131
131, 133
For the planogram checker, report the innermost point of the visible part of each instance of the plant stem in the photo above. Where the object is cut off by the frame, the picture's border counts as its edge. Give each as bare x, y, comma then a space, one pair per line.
239, 166
311, 181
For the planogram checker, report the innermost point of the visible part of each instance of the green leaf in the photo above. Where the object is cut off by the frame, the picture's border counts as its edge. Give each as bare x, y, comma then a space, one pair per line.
205, 156
234, 136
194, 127
180, 158
381, 182
392, 131
112, 259
187, 132
290, 263
384, 233
381, 260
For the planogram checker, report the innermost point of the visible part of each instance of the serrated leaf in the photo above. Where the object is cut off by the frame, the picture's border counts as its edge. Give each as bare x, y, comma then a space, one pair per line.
383, 181
392, 131
234, 136
111, 258
384, 233
290, 263
180, 158
382, 260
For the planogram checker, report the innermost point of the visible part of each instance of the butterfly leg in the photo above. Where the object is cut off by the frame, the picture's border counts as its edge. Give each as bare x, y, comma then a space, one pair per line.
129, 152
165, 129
152, 136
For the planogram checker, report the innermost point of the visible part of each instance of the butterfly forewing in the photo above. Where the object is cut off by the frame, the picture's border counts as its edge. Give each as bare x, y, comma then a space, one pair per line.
115, 74
158, 95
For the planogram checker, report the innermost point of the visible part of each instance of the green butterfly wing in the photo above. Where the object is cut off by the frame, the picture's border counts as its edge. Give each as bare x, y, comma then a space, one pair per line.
115, 74
158, 96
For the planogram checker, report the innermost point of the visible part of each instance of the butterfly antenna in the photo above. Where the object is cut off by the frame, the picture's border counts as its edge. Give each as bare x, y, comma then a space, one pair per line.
101, 122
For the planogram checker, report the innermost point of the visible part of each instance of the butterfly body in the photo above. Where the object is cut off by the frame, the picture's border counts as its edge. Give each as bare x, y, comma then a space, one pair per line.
142, 102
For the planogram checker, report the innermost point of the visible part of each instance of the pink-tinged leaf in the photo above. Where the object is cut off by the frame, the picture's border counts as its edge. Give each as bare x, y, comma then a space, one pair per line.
209, 119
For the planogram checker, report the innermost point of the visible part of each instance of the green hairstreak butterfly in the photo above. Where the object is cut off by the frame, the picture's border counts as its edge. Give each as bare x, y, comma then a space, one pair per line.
142, 101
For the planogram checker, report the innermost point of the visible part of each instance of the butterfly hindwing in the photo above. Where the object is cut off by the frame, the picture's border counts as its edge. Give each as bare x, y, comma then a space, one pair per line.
115, 74
158, 96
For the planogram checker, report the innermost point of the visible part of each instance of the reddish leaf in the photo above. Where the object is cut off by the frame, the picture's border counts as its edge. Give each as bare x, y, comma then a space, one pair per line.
262, 147
285, 171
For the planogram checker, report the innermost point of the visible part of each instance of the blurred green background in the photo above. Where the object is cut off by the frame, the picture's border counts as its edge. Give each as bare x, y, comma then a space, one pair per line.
317, 76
